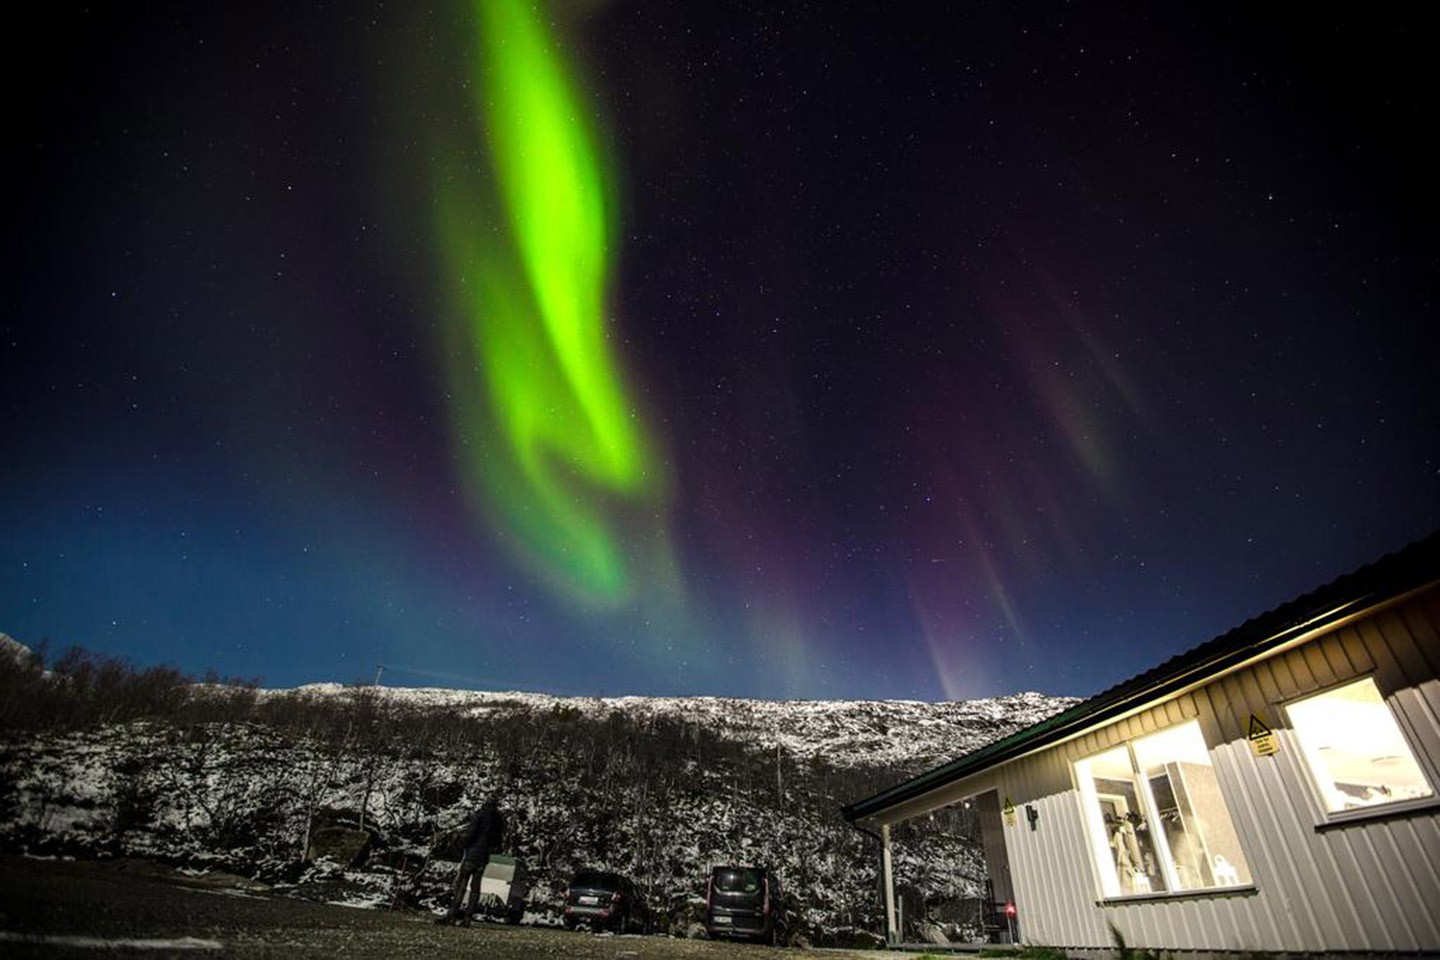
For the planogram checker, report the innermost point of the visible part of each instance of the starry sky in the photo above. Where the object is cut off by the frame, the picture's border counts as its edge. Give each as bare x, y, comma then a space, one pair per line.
762, 349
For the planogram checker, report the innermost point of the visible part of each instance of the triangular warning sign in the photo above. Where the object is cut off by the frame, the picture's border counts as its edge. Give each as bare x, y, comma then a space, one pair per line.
1258, 729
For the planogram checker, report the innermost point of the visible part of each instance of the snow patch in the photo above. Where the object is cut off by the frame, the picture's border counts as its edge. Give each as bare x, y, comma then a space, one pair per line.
98, 943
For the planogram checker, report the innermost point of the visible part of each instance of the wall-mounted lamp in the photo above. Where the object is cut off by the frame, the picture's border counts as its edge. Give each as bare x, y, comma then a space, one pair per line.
1032, 815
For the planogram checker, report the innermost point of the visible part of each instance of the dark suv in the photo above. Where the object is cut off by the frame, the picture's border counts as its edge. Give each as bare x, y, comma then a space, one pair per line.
745, 902
605, 900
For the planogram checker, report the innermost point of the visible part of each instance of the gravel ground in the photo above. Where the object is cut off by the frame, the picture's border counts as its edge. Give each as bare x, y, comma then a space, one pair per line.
131, 908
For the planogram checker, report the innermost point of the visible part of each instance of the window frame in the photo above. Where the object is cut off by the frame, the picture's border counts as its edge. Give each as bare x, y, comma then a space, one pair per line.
1104, 869
1324, 816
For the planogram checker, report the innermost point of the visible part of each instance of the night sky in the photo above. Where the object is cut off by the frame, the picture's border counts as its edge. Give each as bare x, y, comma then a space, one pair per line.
823, 350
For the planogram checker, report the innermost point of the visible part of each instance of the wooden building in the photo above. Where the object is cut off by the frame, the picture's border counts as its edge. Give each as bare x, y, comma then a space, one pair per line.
1272, 790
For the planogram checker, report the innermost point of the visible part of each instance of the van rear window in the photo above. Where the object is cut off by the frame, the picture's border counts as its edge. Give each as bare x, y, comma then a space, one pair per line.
738, 881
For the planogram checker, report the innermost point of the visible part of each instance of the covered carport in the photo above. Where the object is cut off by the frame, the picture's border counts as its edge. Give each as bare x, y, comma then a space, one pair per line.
881, 816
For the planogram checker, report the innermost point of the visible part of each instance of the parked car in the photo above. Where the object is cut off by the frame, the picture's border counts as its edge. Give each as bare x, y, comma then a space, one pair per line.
746, 903
601, 899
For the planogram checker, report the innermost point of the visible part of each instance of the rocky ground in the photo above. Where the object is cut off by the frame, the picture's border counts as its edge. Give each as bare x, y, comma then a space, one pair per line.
68, 908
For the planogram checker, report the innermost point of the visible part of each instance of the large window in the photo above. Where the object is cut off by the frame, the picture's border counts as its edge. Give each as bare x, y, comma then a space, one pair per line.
1355, 750
1157, 821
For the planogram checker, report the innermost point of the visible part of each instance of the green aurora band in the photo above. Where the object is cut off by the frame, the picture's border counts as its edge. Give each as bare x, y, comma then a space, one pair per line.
555, 448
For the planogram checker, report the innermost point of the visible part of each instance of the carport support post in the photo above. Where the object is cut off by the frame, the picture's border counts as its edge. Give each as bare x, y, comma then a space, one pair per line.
892, 932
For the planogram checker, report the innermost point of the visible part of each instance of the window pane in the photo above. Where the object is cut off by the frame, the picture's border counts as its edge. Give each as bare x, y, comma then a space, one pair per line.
1119, 819
1355, 750
1199, 835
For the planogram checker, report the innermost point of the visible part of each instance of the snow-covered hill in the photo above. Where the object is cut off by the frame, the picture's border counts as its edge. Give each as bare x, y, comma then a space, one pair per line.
211, 776
12, 649
845, 733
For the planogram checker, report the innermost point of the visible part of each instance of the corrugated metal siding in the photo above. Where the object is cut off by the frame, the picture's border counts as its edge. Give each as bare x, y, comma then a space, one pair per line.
1370, 885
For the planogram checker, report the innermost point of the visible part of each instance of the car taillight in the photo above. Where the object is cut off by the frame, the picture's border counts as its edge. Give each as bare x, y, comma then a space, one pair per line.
767, 896
709, 892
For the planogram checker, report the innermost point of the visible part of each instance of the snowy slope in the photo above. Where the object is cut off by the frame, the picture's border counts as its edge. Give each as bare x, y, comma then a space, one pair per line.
901, 733
658, 788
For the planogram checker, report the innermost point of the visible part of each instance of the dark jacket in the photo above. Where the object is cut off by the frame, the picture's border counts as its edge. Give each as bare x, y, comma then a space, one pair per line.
487, 828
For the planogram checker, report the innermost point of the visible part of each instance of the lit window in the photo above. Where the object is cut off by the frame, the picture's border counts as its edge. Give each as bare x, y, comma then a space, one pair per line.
1355, 750
1157, 821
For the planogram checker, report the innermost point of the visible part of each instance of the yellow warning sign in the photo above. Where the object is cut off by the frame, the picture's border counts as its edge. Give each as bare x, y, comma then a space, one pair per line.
1009, 813
1262, 738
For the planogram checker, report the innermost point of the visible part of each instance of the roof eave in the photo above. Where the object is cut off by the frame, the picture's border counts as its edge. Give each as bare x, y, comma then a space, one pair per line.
1349, 596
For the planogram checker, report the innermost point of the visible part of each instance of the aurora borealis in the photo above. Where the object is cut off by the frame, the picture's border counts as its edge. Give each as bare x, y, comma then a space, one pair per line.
760, 349
554, 418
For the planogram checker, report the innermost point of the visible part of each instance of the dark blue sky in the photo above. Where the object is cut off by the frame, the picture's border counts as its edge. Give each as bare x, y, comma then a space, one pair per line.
984, 350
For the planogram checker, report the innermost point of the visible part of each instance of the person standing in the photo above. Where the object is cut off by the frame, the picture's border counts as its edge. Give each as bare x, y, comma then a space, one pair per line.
486, 829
